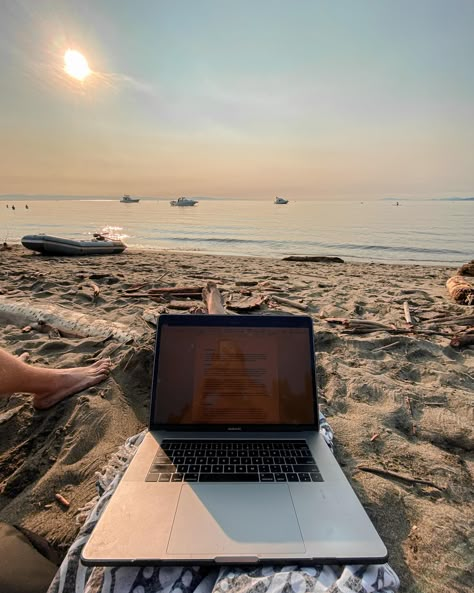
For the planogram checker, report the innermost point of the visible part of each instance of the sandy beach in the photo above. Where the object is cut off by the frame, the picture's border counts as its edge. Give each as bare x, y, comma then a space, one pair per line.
399, 399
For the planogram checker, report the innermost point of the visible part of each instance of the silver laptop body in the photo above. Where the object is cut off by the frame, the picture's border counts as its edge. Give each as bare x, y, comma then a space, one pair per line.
233, 468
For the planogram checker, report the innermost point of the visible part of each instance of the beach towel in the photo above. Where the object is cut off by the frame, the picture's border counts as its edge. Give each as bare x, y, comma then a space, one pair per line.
74, 577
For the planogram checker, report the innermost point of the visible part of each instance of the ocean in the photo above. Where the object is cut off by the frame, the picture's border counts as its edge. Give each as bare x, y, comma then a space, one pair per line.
422, 231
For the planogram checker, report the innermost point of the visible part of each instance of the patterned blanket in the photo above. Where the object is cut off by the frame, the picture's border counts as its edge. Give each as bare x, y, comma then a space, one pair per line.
74, 577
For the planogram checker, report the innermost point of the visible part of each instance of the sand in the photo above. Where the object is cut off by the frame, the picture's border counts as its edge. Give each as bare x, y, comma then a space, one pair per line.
398, 402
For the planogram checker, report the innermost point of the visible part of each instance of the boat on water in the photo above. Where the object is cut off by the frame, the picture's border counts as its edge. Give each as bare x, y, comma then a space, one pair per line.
128, 200
280, 201
49, 245
184, 202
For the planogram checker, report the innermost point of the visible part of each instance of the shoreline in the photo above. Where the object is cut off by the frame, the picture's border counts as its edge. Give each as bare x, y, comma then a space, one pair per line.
399, 403
347, 259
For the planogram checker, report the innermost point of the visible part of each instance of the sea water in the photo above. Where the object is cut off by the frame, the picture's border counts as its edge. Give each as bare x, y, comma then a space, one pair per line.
423, 231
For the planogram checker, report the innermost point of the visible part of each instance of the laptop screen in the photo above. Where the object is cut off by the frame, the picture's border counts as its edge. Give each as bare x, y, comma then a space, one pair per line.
234, 371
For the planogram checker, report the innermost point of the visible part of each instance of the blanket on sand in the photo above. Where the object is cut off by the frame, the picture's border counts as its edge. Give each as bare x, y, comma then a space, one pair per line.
74, 577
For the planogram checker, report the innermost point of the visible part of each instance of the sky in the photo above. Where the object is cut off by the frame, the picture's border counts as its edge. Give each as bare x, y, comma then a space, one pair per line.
314, 99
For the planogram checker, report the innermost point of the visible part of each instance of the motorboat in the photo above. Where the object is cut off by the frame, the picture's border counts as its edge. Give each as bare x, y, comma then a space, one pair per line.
128, 200
48, 245
183, 202
280, 201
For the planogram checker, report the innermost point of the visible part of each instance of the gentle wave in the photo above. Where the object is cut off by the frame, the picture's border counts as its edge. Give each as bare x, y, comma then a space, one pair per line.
434, 233
343, 246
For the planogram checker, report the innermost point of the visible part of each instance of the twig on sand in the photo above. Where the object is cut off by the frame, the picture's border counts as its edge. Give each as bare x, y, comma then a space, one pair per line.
288, 303
410, 409
162, 276
406, 309
135, 287
166, 289
95, 291
60, 498
387, 346
159, 296
386, 473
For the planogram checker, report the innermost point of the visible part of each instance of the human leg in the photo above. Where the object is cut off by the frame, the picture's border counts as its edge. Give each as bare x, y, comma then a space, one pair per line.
48, 386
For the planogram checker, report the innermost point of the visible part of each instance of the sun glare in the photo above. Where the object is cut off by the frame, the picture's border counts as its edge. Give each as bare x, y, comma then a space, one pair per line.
75, 64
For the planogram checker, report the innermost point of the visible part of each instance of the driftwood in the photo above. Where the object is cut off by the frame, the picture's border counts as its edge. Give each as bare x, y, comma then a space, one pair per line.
152, 314
359, 323
60, 498
462, 340
466, 269
338, 320
386, 473
249, 303
387, 346
157, 296
136, 287
95, 291
460, 290
406, 309
174, 289
280, 301
64, 320
315, 258
181, 305
459, 320
45, 328
246, 283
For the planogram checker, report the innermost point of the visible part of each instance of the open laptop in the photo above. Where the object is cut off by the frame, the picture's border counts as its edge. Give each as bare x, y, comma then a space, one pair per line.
233, 468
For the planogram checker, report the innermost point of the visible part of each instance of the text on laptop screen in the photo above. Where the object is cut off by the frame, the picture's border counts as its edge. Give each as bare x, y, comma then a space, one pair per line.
234, 375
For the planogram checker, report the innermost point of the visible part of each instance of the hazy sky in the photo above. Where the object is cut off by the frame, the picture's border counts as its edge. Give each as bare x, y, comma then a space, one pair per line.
251, 98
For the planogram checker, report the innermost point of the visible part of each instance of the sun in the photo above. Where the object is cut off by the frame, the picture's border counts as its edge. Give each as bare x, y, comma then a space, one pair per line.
75, 64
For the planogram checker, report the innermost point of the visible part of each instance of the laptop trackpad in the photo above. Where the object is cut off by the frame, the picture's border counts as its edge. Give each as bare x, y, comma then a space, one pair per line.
247, 519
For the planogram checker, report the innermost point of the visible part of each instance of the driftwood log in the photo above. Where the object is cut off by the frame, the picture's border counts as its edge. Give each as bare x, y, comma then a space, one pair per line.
315, 258
460, 290
159, 296
463, 340
182, 305
467, 269
288, 303
249, 303
466, 320
64, 320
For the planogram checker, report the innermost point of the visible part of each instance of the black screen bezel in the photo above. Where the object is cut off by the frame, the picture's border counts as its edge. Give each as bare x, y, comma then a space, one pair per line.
260, 321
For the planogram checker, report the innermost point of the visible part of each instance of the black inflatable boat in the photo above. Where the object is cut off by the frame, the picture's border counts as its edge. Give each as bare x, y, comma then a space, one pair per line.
58, 246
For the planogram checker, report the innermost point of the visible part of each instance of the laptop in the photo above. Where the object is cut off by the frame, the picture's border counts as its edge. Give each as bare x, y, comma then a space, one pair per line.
234, 469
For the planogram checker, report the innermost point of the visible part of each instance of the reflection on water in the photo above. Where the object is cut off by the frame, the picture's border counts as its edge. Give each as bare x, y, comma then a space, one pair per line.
114, 232
417, 231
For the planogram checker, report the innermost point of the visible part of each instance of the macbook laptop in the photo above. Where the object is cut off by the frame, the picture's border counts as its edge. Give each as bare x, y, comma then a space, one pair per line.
233, 468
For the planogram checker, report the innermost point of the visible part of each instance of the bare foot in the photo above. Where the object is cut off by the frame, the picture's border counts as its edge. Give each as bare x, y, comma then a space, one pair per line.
65, 382
24, 357
213, 299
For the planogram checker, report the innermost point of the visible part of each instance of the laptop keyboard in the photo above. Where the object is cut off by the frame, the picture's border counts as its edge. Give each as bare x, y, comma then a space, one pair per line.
234, 461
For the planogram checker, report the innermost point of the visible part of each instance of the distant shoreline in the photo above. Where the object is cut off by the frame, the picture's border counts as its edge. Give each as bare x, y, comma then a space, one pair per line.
44, 198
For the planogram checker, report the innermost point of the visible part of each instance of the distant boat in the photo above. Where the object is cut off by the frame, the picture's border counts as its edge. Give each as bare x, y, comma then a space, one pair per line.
49, 245
183, 202
128, 200
280, 201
